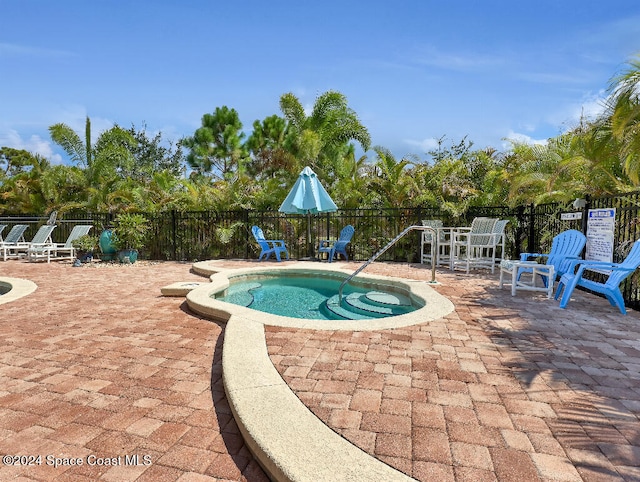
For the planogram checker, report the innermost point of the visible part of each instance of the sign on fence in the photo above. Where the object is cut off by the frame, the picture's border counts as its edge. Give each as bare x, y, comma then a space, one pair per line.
600, 234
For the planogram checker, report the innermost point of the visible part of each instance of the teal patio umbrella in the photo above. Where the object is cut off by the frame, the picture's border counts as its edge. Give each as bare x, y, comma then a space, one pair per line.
308, 196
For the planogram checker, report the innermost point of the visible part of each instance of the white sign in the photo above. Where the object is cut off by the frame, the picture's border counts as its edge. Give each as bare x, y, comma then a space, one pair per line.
600, 228
570, 216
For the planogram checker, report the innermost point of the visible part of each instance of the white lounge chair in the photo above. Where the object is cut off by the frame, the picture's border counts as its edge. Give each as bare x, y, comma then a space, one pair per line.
15, 236
58, 250
19, 248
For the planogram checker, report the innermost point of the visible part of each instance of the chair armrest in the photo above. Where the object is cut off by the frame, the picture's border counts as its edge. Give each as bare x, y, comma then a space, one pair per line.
277, 243
461, 236
572, 261
31, 246
582, 265
597, 266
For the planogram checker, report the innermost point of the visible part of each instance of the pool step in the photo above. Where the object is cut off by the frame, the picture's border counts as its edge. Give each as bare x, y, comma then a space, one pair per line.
332, 308
373, 304
241, 295
380, 298
362, 303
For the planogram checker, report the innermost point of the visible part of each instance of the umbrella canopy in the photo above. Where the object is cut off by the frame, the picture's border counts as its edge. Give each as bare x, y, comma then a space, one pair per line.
308, 196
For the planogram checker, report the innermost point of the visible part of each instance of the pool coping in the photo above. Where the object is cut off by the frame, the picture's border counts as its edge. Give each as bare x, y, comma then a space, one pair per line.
199, 300
19, 288
289, 441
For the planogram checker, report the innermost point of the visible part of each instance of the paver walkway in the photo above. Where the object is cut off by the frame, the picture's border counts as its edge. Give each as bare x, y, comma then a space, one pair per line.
502, 389
96, 363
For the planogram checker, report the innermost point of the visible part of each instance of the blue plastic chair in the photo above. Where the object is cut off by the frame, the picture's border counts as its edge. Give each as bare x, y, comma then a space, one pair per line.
565, 247
618, 272
269, 246
334, 248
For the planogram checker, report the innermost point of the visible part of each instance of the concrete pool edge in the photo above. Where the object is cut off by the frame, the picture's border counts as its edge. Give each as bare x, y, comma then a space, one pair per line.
289, 441
200, 301
18, 288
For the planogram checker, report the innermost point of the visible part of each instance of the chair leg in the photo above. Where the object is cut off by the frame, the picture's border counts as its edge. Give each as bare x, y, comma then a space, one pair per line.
569, 286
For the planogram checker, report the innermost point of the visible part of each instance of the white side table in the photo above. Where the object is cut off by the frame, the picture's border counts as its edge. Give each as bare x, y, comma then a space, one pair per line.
511, 267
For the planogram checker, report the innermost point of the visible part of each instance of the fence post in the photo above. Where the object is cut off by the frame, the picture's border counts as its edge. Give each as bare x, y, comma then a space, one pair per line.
585, 213
174, 242
245, 215
532, 229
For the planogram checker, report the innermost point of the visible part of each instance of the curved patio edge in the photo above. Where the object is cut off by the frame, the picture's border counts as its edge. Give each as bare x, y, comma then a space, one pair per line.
288, 440
19, 288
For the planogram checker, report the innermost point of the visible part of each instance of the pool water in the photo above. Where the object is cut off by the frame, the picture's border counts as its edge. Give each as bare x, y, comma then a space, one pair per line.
313, 298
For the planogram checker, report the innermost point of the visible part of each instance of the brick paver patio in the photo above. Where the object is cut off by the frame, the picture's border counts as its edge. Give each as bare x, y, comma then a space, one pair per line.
502, 389
97, 365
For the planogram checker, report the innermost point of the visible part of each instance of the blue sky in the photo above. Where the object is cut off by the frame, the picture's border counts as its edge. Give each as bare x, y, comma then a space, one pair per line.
413, 71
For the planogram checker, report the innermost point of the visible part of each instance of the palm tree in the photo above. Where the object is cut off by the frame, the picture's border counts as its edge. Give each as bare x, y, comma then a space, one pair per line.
390, 179
322, 138
110, 156
624, 111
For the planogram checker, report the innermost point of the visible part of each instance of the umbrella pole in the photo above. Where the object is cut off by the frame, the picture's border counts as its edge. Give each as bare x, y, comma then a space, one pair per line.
309, 245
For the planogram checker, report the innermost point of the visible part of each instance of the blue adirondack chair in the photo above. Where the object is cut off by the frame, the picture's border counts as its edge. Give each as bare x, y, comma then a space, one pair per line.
333, 248
269, 246
565, 247
609, 288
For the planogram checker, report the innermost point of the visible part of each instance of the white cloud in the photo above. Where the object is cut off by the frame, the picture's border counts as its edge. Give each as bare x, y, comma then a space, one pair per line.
75, 116
587, 109
425, 145
7, 49
522, 139
34, 144
434, 57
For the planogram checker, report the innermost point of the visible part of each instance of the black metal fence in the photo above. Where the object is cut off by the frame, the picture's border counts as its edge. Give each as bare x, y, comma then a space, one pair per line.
199, 235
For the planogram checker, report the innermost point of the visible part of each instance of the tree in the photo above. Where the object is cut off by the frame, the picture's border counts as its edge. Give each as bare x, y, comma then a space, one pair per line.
322, 138
352, 187
624, 112
14, 162
151, 156
111, 155
268, 145
21, 193
216, 147
390, 180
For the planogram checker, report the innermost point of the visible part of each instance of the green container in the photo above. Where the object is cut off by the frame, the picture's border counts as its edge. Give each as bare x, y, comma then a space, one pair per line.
107, 248
128, 255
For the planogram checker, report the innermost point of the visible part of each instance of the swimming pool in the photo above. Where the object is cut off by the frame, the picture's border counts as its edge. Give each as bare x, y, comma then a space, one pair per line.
204, 299
314, 297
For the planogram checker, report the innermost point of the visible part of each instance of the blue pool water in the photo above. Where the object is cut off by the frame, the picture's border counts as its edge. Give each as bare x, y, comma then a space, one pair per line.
312, 298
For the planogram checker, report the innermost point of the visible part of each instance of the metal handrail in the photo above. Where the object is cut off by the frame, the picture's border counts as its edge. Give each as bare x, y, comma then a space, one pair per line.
434, 250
